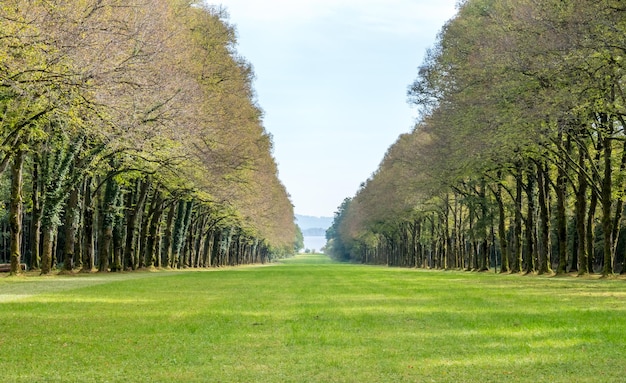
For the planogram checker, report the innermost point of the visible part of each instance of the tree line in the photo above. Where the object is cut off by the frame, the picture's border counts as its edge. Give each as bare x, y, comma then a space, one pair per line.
130, 137
518, 161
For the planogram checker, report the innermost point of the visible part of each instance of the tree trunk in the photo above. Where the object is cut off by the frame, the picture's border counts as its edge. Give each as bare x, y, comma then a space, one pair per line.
581, 208
455, 250
591, 216
517, 233
88, 229
543, 266
531, 249
420, 248
473, 254
108, 221
185, 231
104, 253
118, 238
199, 243
504, 244
483, 265
167, 237
215, 251
134, 215
446, 232
206, 253
153, 231
179, 235
71, 222
192, 238
433, 242
619, 205
561, 218
15, 216
48, 248
414, 240
35, 230
606, 201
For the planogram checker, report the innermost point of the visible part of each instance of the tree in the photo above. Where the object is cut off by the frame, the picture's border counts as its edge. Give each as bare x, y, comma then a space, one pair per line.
522, 98
121, 110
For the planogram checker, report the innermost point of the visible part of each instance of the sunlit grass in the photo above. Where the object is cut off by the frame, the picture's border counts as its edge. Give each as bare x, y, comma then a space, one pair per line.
309, 320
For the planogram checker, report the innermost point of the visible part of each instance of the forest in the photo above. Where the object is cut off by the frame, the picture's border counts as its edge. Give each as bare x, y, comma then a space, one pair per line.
130, 138
517, 163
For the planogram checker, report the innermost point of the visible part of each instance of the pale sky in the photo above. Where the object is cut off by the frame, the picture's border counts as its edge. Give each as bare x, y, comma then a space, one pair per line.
332, 77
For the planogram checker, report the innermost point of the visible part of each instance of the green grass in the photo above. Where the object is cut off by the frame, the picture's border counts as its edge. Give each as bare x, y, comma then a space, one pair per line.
310, 320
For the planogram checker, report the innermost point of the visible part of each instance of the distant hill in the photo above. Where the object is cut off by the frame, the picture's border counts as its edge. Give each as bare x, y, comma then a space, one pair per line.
314, 232
309, 222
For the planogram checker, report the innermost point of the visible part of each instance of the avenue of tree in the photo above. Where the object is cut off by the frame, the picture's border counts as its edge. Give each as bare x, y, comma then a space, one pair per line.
519, 159
130, 137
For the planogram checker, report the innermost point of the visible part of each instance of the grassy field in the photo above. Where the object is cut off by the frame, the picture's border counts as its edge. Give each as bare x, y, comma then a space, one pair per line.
310, 320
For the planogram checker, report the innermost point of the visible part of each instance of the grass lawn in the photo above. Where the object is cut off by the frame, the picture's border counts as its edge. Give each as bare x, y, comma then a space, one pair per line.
310, 320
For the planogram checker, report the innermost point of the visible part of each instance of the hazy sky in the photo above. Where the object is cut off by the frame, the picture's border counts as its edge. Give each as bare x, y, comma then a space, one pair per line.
332, 76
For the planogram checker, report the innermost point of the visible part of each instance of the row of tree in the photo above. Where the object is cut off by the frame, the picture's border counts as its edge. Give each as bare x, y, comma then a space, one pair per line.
519, 159
130, 137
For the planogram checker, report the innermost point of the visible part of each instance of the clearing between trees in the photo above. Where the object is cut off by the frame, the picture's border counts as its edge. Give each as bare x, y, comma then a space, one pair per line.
308, 319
